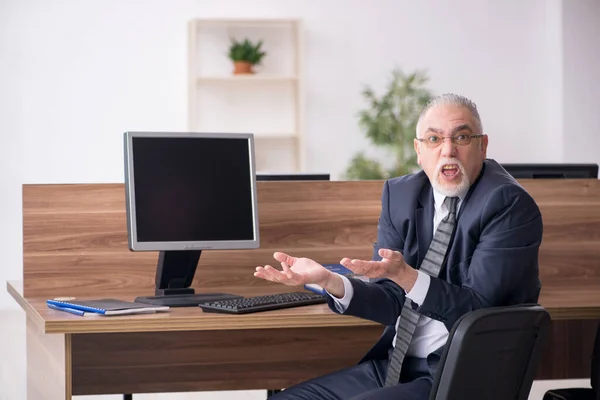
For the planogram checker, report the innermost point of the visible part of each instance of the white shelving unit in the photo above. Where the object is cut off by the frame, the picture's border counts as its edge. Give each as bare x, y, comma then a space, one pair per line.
268, 103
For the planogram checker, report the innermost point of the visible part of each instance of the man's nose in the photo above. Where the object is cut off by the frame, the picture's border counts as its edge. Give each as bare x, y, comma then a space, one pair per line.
448, 148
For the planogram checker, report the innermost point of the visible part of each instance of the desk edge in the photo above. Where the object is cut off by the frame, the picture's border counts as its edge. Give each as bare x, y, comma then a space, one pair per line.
30, 312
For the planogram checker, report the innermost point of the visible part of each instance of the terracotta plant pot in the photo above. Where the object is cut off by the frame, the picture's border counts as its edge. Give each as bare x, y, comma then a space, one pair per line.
242, 67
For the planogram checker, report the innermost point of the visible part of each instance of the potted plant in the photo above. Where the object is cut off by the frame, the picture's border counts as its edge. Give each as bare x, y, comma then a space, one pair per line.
389, 122
245, 55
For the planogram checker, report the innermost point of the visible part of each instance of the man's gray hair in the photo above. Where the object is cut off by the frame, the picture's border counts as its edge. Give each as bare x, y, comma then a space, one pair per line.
455, 100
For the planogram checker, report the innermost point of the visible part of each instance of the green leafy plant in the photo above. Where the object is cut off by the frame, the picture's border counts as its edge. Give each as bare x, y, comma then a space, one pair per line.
246, 51
389, 122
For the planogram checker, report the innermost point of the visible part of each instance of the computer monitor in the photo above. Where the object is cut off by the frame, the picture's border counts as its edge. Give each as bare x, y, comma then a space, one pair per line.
552, 171
292, 177
187, 193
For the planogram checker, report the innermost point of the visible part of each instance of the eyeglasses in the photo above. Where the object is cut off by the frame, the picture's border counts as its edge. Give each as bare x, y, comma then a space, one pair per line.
432, 140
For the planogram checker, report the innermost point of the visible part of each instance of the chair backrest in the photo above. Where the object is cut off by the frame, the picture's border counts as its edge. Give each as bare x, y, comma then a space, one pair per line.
595, 374
492, 353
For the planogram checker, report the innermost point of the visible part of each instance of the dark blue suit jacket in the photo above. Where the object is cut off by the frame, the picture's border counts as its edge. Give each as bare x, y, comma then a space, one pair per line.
492, 259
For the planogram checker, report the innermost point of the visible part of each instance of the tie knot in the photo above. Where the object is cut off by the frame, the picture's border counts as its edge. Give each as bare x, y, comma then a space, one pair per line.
451, 203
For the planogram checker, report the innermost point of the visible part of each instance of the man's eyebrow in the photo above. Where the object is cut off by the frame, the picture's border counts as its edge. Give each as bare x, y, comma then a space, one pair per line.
434, 130
463, 127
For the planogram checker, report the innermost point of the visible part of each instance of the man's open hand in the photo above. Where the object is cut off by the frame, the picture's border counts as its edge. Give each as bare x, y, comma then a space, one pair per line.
391, 266
301, 271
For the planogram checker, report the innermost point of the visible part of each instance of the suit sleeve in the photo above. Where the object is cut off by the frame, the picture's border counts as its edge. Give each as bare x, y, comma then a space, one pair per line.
504, 264
382, 300
388, 236
376, 301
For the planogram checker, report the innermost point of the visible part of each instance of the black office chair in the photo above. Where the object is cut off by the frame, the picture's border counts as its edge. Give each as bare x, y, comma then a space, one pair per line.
492, 354
582, 393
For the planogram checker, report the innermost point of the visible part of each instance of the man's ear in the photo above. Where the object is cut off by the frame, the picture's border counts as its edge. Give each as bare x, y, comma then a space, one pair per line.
417, 150
484, 145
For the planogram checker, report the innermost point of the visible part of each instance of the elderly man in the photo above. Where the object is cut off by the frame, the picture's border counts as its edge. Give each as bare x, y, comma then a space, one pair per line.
457, 236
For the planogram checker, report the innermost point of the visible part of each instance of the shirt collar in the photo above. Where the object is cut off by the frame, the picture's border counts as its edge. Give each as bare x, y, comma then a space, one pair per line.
438, 198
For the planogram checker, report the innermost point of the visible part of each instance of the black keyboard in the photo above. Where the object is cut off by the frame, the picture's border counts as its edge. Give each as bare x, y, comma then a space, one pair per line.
263, 303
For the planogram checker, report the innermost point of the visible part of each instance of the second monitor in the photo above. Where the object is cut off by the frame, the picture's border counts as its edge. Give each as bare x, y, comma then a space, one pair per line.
187, 193
292, 177
552, 171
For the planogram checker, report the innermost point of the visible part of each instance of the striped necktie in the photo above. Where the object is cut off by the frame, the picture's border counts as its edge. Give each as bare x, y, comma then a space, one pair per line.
431, 265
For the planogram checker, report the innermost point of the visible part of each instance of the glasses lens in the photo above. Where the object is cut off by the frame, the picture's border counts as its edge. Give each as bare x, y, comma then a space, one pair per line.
434, 140
462, 140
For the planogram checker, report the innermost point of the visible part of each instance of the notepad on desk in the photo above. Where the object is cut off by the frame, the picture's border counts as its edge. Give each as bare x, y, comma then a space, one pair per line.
107, 307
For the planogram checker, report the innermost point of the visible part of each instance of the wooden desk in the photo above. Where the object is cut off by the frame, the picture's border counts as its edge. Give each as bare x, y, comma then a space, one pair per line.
185, 349
188, 350
75, 244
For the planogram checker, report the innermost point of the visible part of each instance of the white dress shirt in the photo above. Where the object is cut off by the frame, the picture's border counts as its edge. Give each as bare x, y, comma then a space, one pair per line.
430, 334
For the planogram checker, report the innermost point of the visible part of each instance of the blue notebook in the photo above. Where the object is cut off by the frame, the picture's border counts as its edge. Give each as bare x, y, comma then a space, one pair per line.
107, 306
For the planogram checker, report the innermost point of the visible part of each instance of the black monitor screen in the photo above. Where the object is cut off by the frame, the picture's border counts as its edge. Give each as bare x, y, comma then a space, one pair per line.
191, 192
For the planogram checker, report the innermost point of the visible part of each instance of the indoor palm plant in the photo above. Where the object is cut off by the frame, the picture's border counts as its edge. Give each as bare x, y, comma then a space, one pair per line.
245, 55
389, 122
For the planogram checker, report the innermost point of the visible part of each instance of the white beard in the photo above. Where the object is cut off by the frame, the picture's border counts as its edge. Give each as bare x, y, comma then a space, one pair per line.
450, 190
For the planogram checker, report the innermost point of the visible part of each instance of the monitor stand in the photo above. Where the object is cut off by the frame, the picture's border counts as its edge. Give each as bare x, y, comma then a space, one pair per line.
174, 274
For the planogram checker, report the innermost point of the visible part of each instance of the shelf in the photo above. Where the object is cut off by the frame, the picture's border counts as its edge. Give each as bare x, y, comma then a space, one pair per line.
246, 78
249, 23
259, 135
269, 103
276, 136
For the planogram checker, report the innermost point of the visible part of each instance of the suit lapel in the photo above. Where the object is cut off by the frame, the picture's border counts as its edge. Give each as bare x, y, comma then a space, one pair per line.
424, 222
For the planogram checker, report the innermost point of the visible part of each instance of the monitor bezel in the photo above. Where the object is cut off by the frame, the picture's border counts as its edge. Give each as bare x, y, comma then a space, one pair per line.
292, 176
132, 235
552, 170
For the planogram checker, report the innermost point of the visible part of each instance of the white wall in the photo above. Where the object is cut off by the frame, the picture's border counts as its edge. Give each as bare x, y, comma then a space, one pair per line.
552, 104
581, 80
76, 74
11, 119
